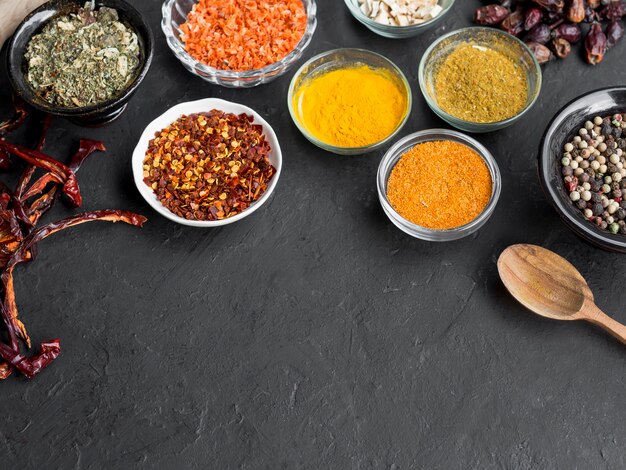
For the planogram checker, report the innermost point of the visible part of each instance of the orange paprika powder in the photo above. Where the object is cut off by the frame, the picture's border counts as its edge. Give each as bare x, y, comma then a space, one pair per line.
440, 185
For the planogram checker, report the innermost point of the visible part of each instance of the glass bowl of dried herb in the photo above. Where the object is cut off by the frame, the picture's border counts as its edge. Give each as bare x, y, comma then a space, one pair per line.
238, 44
90, 85
207, 163
438, 185
479, 79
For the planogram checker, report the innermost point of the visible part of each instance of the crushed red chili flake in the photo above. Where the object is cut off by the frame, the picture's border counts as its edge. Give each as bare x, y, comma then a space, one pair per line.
208, 166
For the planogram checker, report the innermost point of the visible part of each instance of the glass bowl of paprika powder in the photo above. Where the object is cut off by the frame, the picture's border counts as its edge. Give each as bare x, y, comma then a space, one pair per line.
489, 80
400, 149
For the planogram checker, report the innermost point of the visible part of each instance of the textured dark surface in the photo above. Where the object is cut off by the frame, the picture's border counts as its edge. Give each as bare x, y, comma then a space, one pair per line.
313, 334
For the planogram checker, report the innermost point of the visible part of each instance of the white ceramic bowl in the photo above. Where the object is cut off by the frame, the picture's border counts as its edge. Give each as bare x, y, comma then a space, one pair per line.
191, 107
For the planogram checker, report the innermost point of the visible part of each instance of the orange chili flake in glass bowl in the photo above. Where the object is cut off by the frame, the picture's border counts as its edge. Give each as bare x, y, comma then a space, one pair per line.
241, 35
208, 166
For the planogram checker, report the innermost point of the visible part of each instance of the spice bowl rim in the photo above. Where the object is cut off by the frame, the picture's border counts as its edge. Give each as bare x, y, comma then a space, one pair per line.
395, 32
348, 150
393, 155
87, 114
471, 126
230, 78
192, 107
547, 170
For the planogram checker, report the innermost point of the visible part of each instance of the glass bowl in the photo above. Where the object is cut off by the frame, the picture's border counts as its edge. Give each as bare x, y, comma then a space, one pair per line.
560, 130
175, 13
94, 115
398, 32
490, 38
400, 148
338, 59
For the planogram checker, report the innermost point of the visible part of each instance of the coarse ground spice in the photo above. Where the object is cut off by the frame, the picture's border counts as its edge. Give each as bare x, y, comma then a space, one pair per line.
351, 107
479, 84
242, 35
208, 166
440, 185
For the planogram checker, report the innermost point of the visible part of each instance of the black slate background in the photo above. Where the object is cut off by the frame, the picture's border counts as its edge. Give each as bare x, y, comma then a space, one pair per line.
313, 334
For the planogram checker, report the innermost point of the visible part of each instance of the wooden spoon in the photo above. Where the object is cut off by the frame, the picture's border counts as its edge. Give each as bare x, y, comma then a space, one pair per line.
12, 12
550, 286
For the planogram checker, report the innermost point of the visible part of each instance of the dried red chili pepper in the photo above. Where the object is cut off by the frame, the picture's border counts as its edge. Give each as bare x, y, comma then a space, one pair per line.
19, 236
18, 118
61, 173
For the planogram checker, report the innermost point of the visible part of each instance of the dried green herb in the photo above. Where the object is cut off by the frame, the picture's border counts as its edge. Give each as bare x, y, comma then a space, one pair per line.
83, 58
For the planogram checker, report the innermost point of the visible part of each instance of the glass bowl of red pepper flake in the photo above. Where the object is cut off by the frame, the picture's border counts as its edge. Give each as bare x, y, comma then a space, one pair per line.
207, 163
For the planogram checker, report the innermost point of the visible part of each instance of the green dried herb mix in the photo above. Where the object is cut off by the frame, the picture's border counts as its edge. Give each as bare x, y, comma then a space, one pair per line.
83, 58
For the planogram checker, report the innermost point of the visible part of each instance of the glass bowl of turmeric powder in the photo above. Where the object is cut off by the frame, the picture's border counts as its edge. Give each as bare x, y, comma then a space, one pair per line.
479, 79
438, 185
349, 101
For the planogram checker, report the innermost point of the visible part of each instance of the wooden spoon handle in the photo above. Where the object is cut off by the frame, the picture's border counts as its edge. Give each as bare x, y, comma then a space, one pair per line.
596, 316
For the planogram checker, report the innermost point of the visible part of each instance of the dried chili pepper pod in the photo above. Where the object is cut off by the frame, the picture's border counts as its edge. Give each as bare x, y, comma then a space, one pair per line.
551, 5
540, 33
541, 52
514, 23
561, 47
576, 11
534, 16
614, 32
491, 14
595, 44
568, 31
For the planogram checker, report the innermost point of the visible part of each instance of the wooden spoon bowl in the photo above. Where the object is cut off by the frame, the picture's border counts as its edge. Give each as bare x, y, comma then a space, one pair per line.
550, 286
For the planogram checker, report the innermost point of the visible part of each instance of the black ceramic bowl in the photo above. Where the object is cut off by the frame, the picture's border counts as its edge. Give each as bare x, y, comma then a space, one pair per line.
89, 115
560, 131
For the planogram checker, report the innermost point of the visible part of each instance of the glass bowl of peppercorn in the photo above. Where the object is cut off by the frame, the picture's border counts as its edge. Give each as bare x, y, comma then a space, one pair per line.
582, 167
479, 79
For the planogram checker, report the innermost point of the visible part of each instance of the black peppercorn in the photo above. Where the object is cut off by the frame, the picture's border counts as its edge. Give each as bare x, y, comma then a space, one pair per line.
597, 209
567, 171
621, 214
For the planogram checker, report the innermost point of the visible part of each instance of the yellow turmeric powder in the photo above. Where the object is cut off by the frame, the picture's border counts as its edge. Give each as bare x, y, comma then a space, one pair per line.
351, 107
440, 185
